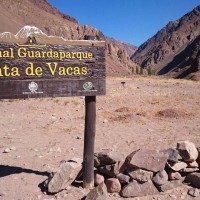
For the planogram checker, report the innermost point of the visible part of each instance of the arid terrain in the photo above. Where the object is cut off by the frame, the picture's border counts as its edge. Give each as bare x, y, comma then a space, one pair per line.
38, 134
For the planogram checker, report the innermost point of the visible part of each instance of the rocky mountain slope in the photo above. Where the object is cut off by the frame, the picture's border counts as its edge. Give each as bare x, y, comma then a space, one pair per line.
174, 50
39, 13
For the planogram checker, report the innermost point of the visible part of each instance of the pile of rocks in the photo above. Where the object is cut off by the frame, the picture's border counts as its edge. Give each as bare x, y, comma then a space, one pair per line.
146, 172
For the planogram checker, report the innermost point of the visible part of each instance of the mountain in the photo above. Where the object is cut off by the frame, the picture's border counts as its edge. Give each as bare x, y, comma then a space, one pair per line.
174, 50
27, 15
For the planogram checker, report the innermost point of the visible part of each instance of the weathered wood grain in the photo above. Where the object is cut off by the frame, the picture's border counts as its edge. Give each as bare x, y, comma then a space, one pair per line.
54, 85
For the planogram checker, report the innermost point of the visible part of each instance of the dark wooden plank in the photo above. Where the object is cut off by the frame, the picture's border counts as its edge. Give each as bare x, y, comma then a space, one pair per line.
89, 139
56, 70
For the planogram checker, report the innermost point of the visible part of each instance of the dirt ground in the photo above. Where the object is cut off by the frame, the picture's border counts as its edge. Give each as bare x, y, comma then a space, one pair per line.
147, 112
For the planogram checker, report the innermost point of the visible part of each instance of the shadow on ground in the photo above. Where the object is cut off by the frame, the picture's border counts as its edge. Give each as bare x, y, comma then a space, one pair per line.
6, 170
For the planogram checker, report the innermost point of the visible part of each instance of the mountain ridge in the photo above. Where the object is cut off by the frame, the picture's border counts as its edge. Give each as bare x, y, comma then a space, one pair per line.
16, 14
158, 51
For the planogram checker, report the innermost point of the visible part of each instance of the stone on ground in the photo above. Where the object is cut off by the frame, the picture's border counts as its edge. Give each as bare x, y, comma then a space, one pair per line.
169, 185
193, 164
187, 151
193, 179
174, 175
160, 178
134, 189
113, 185
98, 179
107, 158
140, 175
123, 179
177, 166
64, 176
194, 192
147, 159
98, 193
173, 154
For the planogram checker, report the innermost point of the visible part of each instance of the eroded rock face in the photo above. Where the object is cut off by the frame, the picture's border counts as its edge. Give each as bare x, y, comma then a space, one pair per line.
166, 51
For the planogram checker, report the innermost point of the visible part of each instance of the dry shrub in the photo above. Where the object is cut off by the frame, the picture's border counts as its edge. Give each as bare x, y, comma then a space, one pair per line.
168, 113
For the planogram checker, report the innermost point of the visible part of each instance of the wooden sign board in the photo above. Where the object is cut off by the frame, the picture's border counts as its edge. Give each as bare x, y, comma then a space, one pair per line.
34, 70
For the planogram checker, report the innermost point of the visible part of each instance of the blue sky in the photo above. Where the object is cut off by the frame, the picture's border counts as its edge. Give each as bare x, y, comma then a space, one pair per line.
132, 21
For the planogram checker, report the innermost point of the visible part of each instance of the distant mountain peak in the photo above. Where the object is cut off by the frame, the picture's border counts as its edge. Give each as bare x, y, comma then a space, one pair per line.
28, 30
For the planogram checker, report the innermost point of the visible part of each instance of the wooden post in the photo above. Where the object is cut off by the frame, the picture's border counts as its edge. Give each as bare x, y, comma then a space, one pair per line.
89, 138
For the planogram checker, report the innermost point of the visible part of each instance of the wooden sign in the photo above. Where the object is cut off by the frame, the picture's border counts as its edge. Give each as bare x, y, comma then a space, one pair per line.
34, 70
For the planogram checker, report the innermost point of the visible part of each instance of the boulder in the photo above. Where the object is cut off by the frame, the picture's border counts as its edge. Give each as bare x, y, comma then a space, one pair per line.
134, 189
193, 179
160, 178
64, 176
113, 185
187, 151
140, 175
98, 193
147, 159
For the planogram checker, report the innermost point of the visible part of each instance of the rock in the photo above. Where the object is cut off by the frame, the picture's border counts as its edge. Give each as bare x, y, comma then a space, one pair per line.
160, 178
169, 185
173, 154
107, 158
140, 175
135, 189
64, 176
174, 175
193, 164
98, 179
187, 151
189, 170
177, 166
147, 159
98, 193
113, 185
194, 192
193, 179
123, 179
108, 170
120, 167
7, 150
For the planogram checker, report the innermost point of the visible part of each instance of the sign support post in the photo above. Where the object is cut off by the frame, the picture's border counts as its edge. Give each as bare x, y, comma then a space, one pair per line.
89, 138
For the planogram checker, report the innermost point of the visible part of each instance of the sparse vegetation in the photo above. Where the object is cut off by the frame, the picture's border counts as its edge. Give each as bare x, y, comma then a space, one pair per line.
141, 70
149, 71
